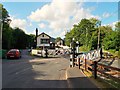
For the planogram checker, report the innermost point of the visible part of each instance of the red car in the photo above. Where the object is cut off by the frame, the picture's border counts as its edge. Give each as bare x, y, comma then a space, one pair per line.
13, 53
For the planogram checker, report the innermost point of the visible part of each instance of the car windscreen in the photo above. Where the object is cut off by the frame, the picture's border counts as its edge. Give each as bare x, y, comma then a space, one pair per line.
12, 52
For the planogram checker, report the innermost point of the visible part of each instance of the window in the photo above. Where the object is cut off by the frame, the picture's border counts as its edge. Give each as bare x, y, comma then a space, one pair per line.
45, 41
42, 35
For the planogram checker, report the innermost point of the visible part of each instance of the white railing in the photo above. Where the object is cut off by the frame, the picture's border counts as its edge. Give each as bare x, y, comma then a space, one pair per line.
91, 55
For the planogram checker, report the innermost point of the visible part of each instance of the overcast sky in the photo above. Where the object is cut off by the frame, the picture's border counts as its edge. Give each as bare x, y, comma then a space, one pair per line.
57, 17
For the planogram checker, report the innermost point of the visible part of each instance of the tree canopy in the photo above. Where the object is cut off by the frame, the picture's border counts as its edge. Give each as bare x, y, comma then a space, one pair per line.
87, 31
14, 37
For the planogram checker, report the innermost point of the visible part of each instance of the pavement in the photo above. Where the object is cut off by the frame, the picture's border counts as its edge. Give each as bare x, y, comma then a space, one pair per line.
77, 79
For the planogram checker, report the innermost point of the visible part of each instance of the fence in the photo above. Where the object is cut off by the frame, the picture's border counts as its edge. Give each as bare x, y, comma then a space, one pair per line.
90, 63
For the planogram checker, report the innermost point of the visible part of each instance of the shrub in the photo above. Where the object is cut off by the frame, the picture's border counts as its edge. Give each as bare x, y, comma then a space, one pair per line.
119, 53
3, 53
84, 48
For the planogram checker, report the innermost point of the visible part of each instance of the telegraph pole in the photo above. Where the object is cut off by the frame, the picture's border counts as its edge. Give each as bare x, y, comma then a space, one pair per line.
1, 26
98, 46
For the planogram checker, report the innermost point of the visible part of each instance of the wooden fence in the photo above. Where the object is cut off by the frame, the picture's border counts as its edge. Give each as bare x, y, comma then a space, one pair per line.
96, 68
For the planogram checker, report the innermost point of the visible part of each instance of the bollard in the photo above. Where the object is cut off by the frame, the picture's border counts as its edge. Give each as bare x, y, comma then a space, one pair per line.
71, 61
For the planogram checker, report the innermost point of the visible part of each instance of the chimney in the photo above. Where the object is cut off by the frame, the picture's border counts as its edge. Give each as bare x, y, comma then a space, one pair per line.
36, 36
36, 32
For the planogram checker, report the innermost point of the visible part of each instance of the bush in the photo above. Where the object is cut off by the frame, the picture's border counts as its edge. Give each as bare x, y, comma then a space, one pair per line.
112, 50
84, 48
3, 53
119, 53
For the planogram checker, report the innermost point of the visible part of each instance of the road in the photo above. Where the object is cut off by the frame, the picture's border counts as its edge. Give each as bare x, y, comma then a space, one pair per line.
34, 72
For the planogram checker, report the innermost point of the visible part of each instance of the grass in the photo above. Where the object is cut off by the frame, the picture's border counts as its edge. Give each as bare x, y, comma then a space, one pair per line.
102, 83
113, 52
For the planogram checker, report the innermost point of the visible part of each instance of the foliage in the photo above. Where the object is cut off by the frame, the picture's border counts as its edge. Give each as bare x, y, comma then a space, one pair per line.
84, 49
86, 32
109, 41
14, 38
3, 53
57, 39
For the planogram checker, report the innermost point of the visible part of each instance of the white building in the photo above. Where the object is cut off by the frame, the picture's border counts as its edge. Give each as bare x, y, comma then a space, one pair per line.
45, 41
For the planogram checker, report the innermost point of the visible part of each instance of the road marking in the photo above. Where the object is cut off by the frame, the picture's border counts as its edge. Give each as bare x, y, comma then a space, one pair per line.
22, 70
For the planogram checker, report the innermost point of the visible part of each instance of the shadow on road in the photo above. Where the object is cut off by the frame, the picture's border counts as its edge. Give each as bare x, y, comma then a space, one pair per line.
21, 74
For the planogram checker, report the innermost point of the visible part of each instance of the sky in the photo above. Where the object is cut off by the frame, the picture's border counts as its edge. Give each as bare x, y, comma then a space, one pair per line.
57, 16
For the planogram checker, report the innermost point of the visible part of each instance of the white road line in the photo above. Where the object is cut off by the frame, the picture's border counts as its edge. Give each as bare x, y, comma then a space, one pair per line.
22, 71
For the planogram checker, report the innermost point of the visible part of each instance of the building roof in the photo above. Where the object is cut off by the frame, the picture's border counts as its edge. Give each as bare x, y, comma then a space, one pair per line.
52, 40
43, 33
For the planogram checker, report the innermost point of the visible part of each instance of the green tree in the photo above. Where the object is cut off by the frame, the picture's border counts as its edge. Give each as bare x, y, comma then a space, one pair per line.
14, 38
57, 39
83, 32
6, 31
117, 29
30, 40
20, 38
109, 40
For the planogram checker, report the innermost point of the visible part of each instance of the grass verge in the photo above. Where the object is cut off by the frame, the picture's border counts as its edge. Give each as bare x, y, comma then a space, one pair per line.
102, 83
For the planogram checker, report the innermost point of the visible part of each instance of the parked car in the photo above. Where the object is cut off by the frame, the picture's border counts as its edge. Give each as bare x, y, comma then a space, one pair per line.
13, 53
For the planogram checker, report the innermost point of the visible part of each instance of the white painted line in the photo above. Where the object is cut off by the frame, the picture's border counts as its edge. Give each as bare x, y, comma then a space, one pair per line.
22, 70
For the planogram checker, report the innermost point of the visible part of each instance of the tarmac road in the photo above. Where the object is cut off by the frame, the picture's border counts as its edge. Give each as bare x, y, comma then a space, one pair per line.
34, 72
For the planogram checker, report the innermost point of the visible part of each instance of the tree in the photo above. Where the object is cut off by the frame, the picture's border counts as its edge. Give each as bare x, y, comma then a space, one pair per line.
30, 40
109, 40
20, 38
57, 39
6, 31
117, 29
14, 38
83, 32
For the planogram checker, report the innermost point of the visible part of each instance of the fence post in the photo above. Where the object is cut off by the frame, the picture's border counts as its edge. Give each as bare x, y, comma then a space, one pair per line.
95, 69
79, 62
73, 59
85, 65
